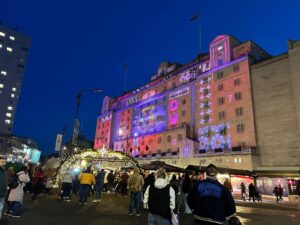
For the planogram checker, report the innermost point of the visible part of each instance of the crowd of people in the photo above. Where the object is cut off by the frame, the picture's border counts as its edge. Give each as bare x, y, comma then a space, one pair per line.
163, 194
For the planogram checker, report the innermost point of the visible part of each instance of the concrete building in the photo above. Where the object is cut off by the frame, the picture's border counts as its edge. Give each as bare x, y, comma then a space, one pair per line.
14, 48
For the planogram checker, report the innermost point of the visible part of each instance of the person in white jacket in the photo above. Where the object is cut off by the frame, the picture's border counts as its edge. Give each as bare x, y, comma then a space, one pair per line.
66, 186
159, 198
16, 195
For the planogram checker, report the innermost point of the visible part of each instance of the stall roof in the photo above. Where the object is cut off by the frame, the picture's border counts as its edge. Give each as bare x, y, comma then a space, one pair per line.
222, 170
155, 165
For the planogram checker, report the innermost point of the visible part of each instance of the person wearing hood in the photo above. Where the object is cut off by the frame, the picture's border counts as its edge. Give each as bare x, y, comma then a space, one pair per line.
211, 202
16, 195
159, 198
135, 184
3, 183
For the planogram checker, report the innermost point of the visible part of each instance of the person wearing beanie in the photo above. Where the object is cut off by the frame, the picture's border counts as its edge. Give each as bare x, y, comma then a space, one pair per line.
159, 198
210, 201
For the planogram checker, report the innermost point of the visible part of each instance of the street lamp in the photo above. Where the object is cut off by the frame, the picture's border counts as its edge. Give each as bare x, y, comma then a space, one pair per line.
76, 122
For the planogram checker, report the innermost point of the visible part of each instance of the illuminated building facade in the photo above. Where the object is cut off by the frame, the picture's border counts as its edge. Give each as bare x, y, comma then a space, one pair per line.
193, 114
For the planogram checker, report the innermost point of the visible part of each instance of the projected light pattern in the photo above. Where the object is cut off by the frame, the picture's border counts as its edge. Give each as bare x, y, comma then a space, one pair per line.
214, 137
149, 117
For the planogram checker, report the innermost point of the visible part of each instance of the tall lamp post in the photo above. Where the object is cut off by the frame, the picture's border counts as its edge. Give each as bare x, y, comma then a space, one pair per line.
76, 121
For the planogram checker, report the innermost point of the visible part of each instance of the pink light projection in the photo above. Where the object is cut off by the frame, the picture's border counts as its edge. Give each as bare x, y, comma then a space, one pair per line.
173, 118
173, 105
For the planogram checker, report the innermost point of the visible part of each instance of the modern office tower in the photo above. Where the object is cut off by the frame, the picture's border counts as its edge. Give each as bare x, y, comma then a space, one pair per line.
14, 49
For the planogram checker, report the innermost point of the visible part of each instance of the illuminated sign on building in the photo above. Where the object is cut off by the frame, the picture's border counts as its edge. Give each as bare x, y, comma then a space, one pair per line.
179, 93
106, 118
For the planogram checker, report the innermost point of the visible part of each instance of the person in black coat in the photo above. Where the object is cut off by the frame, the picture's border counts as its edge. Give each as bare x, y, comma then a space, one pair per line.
252, 192
186, 187
210, 201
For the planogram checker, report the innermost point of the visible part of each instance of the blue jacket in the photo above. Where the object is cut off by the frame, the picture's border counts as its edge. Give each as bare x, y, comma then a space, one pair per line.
100, 178
211, 201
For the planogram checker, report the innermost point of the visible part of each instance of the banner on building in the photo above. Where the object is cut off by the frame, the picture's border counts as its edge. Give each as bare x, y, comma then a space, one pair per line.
58, 142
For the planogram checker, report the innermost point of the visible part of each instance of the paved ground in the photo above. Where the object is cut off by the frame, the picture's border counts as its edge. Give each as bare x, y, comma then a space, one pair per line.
113, 210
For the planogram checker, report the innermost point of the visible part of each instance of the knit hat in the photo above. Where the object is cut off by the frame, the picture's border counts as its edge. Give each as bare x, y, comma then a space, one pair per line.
211, 170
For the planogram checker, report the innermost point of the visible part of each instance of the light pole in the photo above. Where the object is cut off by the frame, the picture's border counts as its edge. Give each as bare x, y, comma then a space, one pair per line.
76, 121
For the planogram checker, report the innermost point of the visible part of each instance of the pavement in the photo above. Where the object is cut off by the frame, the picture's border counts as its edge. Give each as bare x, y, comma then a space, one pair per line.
113, 210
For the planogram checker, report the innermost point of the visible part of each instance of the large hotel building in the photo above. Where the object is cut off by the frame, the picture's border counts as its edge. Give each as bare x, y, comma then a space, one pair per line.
236, 107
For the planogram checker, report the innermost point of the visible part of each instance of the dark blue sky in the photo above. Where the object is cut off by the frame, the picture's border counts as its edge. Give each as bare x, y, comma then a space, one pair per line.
84, 44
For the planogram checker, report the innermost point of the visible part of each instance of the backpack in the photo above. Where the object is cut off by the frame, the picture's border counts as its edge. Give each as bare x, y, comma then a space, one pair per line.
14, 182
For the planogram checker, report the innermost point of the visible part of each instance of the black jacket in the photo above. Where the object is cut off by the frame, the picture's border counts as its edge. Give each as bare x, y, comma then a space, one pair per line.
211, 201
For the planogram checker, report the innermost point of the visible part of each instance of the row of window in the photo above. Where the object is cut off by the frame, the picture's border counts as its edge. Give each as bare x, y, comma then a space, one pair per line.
9, 49
236, 82
2, 34
237, 97
220, 74
238, 112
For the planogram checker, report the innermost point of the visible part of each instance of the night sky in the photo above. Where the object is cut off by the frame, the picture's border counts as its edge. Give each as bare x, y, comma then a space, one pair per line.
80, 45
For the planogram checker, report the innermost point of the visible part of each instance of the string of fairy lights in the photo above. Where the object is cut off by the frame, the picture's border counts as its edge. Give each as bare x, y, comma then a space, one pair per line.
69, 161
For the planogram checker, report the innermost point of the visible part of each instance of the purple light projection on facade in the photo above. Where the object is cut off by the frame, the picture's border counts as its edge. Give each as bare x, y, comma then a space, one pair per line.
173, 118
214, 137
149, 117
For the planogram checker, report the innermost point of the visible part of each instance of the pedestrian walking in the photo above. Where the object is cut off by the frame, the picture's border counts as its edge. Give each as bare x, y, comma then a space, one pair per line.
243, 191
110, 180
3, 183
86, 179
123, 183
66, 187
278, 191
159, 198
228, 185
135, 184
298, 193
210, 201
186, 187
16, 193
99, 185
252, 192
38, 182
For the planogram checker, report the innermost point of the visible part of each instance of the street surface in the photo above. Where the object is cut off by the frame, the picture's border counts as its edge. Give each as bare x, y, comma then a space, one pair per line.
113, 210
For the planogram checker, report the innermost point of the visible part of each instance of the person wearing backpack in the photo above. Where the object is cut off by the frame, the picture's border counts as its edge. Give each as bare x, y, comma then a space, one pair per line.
159, 198
135, 184
16, 194
3, 183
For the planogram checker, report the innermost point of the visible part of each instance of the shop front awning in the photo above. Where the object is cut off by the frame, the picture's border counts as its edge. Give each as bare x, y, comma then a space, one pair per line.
278, 171
229, 171
155, 165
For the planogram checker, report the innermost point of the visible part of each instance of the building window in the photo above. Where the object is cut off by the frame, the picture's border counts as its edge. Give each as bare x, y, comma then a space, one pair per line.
224, 131
236, 68
4, 73
14, 89
2, 34
169, 138
238, 96
9, 49
127, 119
220, 75
165, 88
237, 82
183, 101
10, 108
205, 92
206, 118
183, 113
1, 85
221, 100
12, 38
205, 80
7, 121
239, 111
173, 84
8, 114
222, 115
206, 105
220, 87
179, 137
159, 140
240, 128
0, 45
173, 126
238, 160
